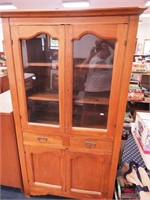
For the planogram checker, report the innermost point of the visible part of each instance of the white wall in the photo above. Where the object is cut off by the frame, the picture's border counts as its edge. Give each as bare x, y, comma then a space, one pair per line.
142, 34
1, 38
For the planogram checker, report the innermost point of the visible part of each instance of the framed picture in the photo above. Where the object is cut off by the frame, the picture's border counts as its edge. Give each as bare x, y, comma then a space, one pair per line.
146, 50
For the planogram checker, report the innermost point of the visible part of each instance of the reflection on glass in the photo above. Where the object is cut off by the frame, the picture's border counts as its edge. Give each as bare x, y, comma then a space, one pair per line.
40, 62
92, 74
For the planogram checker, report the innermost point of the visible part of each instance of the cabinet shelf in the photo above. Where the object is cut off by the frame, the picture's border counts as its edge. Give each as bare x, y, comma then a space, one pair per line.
81, 99
42, 64
44, 96
99, 66
54, 97
92, 100
142, 73
138, 101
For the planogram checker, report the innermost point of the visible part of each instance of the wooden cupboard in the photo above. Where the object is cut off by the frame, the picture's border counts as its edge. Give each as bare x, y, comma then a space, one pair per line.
69, 128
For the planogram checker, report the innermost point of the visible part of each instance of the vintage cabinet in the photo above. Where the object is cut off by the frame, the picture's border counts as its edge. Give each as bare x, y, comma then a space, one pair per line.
69, 128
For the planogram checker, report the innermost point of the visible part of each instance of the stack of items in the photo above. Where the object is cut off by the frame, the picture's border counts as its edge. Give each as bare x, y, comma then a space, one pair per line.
141, 64
147, 96
142, 130
145, 84
3, 71
3, 68
124, 190
135, 92
139, 67
2, 60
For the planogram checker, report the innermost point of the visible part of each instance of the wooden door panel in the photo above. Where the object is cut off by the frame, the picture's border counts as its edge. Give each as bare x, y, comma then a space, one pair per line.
75, 33
29, 32
88, 174
104, 31
45, 169
19, 34
43, 166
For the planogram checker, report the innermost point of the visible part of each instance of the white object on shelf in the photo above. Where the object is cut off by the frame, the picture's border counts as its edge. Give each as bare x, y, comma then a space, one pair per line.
146, 157
28, 75
5, 102
3, 71
142, 130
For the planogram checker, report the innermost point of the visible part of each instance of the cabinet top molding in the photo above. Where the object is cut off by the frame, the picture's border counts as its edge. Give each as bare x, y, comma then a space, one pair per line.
74, 13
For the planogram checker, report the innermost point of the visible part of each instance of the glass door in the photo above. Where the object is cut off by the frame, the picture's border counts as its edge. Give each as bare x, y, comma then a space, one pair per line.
40, 66
95, 77
92, 76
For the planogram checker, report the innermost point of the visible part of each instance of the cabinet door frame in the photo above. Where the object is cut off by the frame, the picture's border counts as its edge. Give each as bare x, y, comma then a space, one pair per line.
104, 162
44, 188
106, 31
28, 32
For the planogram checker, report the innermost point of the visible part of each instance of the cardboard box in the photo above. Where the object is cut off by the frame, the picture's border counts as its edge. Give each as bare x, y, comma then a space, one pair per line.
142, 130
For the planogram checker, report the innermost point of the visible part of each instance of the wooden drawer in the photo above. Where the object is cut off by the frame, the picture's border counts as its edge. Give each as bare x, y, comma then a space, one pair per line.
42, 139
88, 143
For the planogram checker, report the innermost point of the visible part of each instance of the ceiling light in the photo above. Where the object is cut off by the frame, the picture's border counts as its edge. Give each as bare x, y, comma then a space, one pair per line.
7, 6
147, 3
75, 3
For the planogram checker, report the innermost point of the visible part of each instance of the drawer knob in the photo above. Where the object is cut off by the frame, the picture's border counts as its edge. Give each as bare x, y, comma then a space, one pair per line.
42, 139
89, 144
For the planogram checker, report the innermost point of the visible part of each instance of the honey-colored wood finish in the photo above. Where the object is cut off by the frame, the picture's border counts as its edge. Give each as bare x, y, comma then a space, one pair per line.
4, 84
61, 159
88, 174
10, 166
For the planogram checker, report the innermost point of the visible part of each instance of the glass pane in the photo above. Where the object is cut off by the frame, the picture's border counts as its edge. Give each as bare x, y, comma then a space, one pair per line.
92, 74
40, 62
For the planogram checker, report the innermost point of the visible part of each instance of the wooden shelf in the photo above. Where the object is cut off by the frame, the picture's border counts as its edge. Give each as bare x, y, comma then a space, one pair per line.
42, 64
80, 98
46, 122
54, 97
94, 66
92, 100
44, 97
138, 101
142, 73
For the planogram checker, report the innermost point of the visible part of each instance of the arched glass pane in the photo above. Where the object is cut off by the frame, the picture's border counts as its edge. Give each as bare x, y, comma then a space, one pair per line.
92, 74
40, 66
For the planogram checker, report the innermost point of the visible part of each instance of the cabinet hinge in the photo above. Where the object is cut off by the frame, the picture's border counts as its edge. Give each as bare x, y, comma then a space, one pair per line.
125, 43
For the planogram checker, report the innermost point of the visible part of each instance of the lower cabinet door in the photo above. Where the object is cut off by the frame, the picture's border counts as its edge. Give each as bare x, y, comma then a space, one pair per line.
88, 174
45, 170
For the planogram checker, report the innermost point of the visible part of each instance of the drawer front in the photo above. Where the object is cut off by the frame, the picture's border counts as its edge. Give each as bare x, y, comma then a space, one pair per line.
88, 143
42, 139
